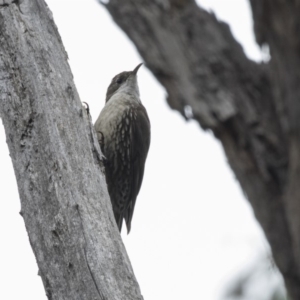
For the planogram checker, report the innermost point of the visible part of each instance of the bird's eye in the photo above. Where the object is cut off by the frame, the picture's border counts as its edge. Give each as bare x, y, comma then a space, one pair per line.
119, 80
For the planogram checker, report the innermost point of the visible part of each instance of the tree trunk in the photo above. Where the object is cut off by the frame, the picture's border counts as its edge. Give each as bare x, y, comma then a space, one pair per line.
252, 108
57, 162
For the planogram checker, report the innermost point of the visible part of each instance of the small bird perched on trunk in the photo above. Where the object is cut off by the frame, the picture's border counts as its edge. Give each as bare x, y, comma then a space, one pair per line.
123, 131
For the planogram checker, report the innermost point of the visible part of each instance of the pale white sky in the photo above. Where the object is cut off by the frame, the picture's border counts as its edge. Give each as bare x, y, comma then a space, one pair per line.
192, 230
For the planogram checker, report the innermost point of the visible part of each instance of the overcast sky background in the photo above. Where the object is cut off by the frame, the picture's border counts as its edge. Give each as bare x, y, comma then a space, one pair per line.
192, 230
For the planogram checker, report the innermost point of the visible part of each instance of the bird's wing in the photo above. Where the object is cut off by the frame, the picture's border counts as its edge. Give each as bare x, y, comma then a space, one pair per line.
140, 141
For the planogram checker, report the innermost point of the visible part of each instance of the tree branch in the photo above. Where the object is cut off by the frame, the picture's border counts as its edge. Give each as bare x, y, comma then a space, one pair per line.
64, 199
195, 57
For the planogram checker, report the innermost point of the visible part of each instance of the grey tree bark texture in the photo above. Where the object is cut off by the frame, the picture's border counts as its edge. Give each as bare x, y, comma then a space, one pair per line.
57, 163
252, 108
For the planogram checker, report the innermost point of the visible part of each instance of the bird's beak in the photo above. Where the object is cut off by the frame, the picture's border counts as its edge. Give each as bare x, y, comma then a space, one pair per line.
136, 69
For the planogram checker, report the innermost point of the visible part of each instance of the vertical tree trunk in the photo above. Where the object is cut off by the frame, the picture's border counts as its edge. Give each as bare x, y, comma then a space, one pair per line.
253, 109
57, 162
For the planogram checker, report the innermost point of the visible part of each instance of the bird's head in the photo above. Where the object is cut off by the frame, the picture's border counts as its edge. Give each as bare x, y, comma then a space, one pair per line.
125, 82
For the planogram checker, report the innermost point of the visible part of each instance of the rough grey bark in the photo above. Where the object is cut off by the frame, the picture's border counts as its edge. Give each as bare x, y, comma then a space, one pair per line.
57, 162
252, 108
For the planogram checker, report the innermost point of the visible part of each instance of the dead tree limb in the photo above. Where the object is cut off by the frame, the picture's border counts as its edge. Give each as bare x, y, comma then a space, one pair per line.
64, 200
252, 108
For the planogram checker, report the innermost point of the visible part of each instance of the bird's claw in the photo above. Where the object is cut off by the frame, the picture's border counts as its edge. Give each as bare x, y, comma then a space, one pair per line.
87, 108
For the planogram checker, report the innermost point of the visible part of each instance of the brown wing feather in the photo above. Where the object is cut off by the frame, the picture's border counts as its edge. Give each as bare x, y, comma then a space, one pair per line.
140, 141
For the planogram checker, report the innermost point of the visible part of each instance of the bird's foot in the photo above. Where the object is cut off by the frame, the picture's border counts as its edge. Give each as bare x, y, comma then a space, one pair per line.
87, 108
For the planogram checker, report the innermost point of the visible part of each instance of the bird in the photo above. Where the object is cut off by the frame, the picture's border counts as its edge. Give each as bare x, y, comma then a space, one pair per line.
124, 133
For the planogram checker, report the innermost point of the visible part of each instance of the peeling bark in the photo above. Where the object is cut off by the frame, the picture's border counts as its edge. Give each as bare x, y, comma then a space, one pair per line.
57, 162
252, 108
